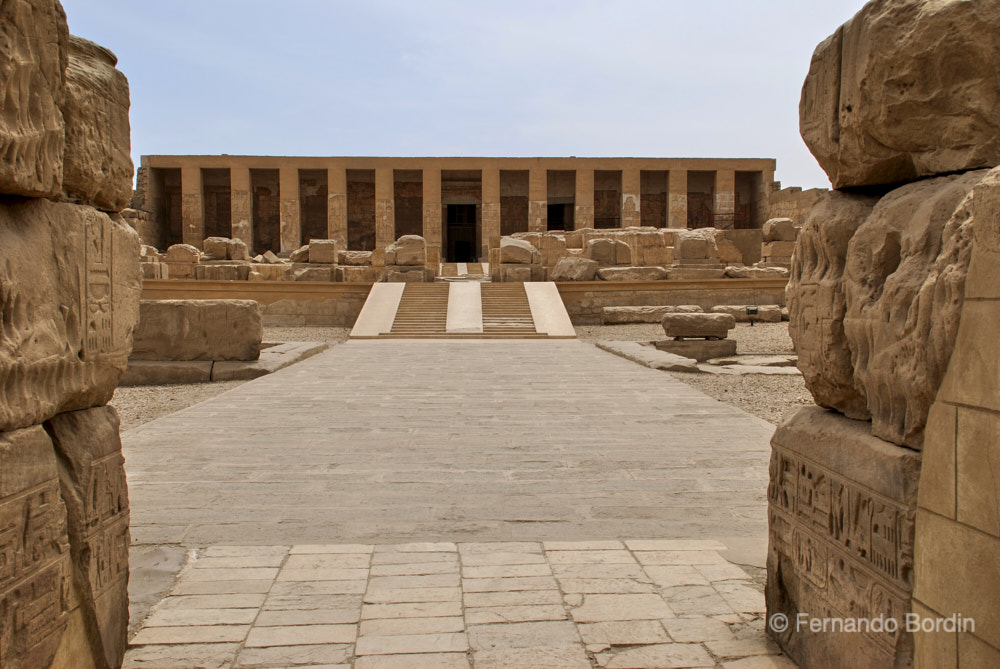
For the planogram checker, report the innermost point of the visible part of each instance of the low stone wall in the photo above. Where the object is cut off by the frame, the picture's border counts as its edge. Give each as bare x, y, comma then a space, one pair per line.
198, 330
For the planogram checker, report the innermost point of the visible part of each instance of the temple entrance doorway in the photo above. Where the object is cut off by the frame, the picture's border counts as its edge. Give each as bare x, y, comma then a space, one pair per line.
460, 233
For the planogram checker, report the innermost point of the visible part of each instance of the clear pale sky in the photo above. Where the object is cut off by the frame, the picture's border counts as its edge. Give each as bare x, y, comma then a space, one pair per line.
667, 78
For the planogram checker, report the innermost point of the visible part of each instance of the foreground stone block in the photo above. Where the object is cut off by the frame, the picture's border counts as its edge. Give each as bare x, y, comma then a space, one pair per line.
355, 258
632, 274
407, 250
620, 315
608, 252
691, 325
574, 269
780, 230
216, 247
69, 292
198, 330
518, 251
323, 251
94, 490
181, 253
903, 90
97, 162
34, 50
841, 511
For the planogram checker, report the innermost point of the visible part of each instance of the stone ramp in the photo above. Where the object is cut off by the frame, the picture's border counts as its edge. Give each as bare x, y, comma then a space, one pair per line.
464, 310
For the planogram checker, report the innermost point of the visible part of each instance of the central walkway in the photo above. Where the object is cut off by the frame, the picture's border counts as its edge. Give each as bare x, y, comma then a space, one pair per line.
463, 503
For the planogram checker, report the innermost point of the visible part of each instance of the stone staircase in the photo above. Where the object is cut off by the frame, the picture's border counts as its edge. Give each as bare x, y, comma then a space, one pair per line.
463, 310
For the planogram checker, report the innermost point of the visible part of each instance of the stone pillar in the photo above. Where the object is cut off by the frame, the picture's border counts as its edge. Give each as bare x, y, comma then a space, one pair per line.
631, 189
288, 188
725, 199
538, 212
385, 219
192, 208
336, 205
583, 201
491, 211
677, 199
432, 216
241, 205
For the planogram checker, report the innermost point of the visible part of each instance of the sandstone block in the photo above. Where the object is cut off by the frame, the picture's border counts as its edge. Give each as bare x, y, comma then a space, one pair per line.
237, 250
179, 253
693, 325
34, 51
323, 251
619, 315
216, 248
212, 272
198, 330
94, 490
607, 251
407, 274
574, 269
314, 274
695, 273
632, 274
777, 249
518, 251
698, 349
272, 272
743, 272
69, 291
904, 90
780, 230
269, 258
574, 239
816, 303
150, 270
847, 500
766, 313
300, 254
97, 164
355, 274
690, 247
407, 250
515, 273
355, 258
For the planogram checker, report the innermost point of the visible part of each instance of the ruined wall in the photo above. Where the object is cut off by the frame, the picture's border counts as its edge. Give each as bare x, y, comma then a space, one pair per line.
69, 289
793, 203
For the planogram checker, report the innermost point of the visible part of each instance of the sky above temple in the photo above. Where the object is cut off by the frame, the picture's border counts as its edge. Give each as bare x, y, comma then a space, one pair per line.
666, 78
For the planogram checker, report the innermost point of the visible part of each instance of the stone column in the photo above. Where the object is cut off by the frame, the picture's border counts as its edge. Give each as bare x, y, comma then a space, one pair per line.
491, 211
385, 218
677, 199
538, 212
725, 199
192, 207
583, 201
432, 215
288, 188
631, 189
241, 205
336, 205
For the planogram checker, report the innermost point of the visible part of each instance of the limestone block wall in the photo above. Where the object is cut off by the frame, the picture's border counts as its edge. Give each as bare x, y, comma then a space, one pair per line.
69, 289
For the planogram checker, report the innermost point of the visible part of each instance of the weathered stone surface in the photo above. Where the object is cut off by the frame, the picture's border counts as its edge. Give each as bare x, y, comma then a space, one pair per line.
695, 273
69, 291
816, 302
97, 164
766, 313
216, 247
841, 509
518, 251
300, 254
36, 583
709, 326
574, 269
706, 244
183, 253
314, 274
355, 258
269, 258
323, 251
698, 349
619, 315
407, 250
34, 50
94, 490
772, 250
632, 274
904, 284
238, 250
903, 90
780, 230
198, 330
215, 272
608, 251
407, 274
744, 272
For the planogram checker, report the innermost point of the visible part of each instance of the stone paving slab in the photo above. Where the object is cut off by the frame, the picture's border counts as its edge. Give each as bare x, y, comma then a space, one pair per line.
510, 624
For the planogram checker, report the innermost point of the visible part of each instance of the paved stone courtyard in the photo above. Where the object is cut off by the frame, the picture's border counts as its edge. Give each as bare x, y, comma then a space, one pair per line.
474, 504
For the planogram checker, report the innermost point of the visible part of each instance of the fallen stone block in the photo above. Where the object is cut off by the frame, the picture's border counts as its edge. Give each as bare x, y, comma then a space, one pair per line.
198, 330
323, 251
518, 251
780, 230
632, 274
695, 273
698, 349
649, 356
691, 325
620, 315
408, 250
574, 269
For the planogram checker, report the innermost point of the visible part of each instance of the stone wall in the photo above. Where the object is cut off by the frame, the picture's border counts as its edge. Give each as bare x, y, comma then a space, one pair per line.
69, 289
793, 203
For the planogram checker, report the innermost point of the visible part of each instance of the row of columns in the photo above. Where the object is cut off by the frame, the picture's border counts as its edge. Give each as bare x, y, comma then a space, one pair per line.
192, 210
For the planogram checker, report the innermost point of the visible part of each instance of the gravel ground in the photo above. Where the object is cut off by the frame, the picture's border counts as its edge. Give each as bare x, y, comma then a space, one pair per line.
140, 404
766, 397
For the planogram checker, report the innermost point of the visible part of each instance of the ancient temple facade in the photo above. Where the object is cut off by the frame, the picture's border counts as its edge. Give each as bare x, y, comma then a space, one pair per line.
461, 206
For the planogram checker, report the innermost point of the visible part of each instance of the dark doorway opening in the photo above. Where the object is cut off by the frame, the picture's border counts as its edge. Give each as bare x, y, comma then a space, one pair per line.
558, 216
461, 233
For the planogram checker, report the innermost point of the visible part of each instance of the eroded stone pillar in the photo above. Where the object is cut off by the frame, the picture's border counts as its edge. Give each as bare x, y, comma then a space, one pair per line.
491, 211
336, 206
385, 218
725, 199
583, 201
677, 199
192, 209
432, 215
631, 189
538, 212
291, 230
241, 205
